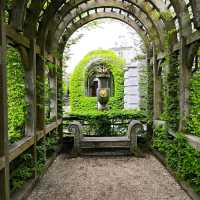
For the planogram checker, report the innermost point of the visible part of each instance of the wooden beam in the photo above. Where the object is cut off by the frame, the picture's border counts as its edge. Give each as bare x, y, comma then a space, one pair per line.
16, 37
196, 11
4, 173
19, 147
20, 39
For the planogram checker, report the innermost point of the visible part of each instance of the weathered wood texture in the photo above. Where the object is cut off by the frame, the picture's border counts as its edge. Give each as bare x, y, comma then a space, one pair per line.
4, 172
196, 10
40, 81
21, 146
157, 100
53, 92
20, 39
185, 76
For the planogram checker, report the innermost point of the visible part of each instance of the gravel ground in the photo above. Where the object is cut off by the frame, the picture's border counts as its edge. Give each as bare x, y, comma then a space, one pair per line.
107, 178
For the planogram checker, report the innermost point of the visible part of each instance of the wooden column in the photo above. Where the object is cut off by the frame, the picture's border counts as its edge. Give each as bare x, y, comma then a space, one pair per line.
40, 78
149, 94
59, 97
30, 81
150, 85
185, 76
53, 97
172, 99
4, 173
157, 88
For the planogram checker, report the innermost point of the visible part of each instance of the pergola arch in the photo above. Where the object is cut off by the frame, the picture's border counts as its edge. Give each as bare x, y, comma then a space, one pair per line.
54, 7
40, 29
138, 15
145, 37
141, 16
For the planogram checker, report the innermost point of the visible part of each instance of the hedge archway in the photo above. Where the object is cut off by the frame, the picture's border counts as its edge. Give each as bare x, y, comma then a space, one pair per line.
79, 102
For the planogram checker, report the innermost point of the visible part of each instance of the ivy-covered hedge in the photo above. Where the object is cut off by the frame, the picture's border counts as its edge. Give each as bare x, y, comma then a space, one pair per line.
170, 92
108, 123
181, 157
194, 118
78, 100
16, 95
111, 114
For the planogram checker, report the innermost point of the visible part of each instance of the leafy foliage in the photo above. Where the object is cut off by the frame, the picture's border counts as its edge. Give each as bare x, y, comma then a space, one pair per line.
180, 156
108, 123
78, 100
171, 91
16, 95
23, 167
194, 118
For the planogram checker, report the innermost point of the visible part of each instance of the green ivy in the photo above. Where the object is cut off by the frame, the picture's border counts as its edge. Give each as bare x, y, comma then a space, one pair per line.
104, 123
180, 156
23, 167
194, 118
16, 95
78, 100
170, 80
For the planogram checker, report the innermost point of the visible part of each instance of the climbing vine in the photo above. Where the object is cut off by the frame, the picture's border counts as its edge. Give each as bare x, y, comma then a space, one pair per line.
171, 91
194, 118
16, 95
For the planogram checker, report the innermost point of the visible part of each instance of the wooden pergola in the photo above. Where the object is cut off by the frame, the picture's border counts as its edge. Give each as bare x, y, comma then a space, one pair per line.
39, 29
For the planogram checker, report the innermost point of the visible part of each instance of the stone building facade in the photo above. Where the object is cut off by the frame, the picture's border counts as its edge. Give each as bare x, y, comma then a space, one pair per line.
131, 77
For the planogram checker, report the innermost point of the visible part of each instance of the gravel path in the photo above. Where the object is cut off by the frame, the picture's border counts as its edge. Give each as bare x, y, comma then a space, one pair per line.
112, 178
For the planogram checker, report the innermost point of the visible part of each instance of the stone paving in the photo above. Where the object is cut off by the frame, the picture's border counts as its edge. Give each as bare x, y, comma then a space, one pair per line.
107, 178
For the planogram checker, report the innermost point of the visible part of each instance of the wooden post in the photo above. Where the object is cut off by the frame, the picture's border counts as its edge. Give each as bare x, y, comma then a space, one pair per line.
185, 75
53, 97
59, 97
149, 94
40, 96
30, 81
4, 173
150, 86
157, 88
30, 78
172, 92
40, 76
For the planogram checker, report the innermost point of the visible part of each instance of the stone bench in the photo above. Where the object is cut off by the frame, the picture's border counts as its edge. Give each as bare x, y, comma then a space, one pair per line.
130, 142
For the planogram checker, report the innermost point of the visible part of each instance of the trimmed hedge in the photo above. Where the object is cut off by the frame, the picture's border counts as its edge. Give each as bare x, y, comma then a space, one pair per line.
78, 100
108, 123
